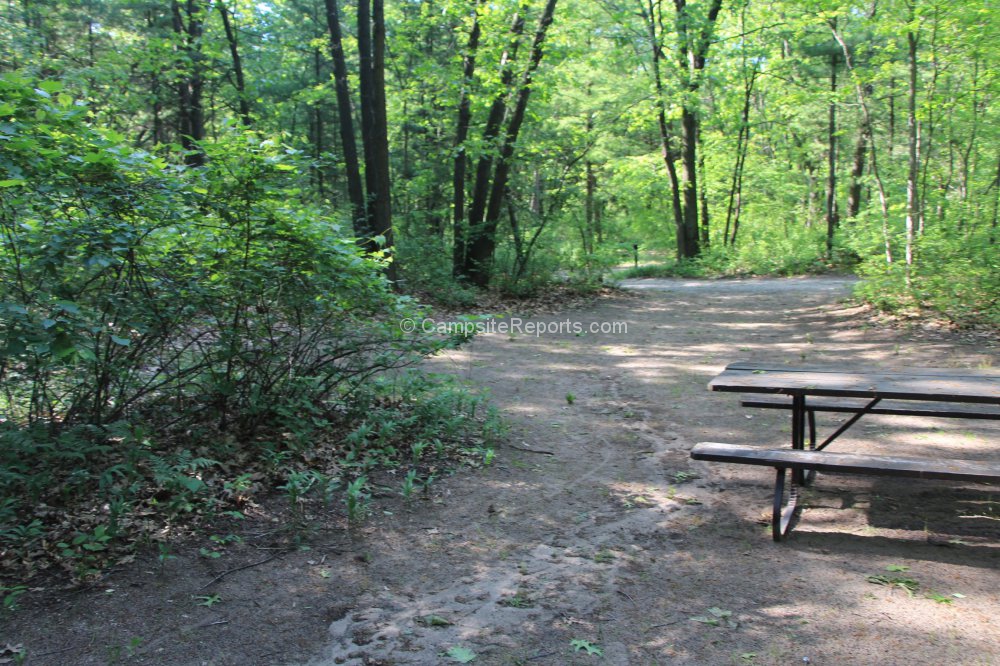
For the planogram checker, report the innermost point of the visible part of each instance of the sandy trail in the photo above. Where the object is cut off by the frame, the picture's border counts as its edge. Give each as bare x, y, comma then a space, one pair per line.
617, 541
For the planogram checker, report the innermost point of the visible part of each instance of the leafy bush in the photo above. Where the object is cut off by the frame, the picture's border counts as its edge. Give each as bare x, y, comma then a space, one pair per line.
207, 306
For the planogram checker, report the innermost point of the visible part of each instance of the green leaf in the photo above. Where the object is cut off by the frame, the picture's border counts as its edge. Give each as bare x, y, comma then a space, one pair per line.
581, 644
12, 182
461, 654
124, 342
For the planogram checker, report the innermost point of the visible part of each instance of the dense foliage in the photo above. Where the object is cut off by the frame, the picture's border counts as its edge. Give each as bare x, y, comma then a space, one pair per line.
159, 319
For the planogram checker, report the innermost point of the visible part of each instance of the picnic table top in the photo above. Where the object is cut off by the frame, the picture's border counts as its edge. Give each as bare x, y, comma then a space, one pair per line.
931, 384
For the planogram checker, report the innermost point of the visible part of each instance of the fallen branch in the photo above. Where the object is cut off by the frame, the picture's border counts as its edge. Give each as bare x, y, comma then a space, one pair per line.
519, 448
245, 566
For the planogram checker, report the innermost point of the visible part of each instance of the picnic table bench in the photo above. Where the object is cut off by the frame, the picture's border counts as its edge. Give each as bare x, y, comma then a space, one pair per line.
929, 392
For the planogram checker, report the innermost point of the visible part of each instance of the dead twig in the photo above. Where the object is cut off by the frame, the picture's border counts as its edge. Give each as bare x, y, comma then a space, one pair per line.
520, 448
245, 566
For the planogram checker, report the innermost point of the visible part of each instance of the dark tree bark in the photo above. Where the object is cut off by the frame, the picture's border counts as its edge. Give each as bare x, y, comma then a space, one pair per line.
666, 129
831, 174
734, 207
484, 168
692, 52
188, 25
352, 167
480, 250
461, 158
318, 129
857, 172
234, 51
383, 194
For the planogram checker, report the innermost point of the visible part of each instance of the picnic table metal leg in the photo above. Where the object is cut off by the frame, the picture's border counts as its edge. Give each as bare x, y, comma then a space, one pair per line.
809, 475
786, 505
801, 417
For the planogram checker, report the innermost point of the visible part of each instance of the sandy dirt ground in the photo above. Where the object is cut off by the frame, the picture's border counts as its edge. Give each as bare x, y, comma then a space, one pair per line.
592, 538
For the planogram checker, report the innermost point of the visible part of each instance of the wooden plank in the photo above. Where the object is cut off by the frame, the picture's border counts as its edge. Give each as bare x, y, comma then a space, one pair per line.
907, 370
974, 388
847, 406
822, 461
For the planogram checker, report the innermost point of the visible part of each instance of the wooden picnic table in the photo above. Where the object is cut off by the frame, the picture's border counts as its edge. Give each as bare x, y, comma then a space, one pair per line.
805, 390
915, 386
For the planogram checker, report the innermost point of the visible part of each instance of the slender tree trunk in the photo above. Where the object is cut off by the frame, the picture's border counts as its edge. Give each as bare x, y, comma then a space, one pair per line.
857, 173
694, 45
996, 203
705, 220
348, 143
742, 140
234, 51
461, 158
484, 167
374, 126
831, 174
913, 162
666, 133
188, 25
867, 124
319, 129
480, 253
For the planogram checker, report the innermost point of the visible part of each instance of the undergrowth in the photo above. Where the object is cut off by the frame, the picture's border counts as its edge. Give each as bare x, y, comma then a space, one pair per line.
88, 499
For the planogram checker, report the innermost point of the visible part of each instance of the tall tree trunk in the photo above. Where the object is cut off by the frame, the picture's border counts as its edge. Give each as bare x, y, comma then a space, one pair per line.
319, 129
694, 45
912, 212
866, 120
703, 211
831, 174
742, 141
666, 132
461, 157
857, 173
188, 25
480, 252
374, 123
484, 167
348, 143
234, 51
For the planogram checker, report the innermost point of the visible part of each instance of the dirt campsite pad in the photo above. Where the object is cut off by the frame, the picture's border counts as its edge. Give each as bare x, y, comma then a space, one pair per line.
591, 537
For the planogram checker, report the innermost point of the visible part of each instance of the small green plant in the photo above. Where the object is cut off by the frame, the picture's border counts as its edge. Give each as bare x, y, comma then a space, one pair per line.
517, 601
207, 600
417, 450
570, 398
357, 500
908, 585
604, 556
10, 596
409, 483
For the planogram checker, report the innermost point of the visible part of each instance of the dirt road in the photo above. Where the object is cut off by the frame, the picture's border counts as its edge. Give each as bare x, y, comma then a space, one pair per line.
592, 532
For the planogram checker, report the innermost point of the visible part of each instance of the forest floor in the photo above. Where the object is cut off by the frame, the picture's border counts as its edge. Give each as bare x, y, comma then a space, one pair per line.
592, 530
